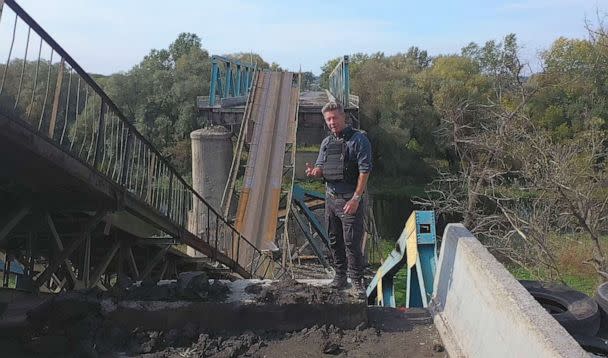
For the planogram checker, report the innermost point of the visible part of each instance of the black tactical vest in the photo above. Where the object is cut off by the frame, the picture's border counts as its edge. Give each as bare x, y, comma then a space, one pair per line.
337, 165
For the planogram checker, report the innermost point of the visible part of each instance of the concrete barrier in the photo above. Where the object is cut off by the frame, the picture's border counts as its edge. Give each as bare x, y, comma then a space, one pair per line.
480, 310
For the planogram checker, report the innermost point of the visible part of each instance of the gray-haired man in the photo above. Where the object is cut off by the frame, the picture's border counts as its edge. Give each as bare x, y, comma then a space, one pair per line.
345, 162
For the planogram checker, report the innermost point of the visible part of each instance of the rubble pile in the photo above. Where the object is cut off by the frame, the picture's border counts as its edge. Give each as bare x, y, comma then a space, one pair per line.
290, 291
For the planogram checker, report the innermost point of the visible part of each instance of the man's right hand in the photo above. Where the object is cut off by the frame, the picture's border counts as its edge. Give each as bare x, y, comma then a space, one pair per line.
314, 172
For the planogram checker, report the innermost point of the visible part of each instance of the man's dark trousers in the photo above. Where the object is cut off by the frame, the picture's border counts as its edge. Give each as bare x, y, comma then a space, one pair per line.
345, 235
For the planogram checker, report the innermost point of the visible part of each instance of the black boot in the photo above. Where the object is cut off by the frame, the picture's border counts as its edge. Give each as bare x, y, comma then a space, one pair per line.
359, 289
338, 282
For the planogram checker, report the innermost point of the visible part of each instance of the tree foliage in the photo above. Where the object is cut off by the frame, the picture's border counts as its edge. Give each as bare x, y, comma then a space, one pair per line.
159, 94
519, 156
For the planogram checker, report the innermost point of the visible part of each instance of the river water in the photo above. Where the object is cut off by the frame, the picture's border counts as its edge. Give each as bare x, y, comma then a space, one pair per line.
391, 213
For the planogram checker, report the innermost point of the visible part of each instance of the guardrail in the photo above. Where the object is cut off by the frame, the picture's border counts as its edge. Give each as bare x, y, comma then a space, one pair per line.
339, 82
229, 78
48, 91
480, 310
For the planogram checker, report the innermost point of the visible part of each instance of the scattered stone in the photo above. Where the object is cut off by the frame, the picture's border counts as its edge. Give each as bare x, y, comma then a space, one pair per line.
361, 326
290, 291
49, 344
331, 347
61, 310
253, 289
438, 347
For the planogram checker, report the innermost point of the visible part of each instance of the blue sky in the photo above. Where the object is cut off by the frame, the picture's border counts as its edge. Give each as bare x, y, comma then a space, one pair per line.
107, 36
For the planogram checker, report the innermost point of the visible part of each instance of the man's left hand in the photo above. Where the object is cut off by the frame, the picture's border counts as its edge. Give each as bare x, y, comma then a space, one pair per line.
351, 206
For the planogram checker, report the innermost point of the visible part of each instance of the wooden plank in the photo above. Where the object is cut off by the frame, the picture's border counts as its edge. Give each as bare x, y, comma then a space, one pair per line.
236, 160
274, 117
260, 173
293, 118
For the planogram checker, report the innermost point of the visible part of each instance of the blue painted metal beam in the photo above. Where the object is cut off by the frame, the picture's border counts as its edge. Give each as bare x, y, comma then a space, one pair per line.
299, 195
229, 78
339, 82
415, 249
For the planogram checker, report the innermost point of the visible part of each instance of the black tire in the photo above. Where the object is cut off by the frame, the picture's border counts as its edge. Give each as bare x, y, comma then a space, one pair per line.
593, 345
574, 310
601, 297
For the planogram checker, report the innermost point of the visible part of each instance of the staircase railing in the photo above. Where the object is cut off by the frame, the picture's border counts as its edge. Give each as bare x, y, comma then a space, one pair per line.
44, 88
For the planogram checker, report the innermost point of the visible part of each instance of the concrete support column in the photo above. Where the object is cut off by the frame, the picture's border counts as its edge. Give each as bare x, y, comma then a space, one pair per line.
211, 159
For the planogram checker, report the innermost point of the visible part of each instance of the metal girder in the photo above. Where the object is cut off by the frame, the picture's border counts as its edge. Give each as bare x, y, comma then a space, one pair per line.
416, 248
339, 82
309, 237
155, 260
86, 261
164, 269
299, 199
99, 270
68, 265
231, 78
59, 283
132, 262
156, 242
103, 167
12, 222
90, 225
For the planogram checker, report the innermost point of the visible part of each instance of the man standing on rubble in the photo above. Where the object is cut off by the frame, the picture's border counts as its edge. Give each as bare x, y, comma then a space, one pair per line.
345, 162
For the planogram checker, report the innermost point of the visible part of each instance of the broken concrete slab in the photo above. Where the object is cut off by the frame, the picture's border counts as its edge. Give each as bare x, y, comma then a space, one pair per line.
241, 323
284, 305
480, 310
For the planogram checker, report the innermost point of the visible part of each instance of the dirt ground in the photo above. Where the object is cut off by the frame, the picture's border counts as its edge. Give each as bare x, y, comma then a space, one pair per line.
73, 325
402, 339
290, 291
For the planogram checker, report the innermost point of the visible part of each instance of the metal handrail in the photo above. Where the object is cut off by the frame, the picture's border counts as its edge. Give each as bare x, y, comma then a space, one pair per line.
84, 122
339, 82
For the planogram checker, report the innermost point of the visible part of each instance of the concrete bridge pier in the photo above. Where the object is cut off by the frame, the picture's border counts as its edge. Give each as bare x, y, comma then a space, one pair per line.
211, 159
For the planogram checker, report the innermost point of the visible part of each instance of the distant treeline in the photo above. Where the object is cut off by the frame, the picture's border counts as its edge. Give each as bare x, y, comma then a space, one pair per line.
520, 156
